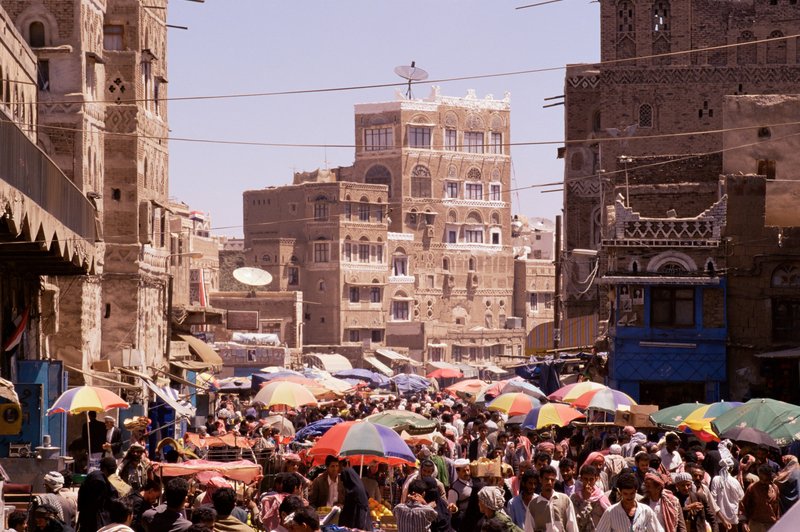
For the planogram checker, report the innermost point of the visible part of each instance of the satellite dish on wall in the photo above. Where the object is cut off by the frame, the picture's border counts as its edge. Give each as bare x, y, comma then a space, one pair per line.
411, 73
252, 276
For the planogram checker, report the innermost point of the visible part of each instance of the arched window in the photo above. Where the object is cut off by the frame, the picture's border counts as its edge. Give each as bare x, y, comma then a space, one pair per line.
671, 268
36, 35
420, 182
399, 262
785, 276
379, 175
363, 210
646, 115
474, 174
746, 54
596, 122
776, 50
471, 264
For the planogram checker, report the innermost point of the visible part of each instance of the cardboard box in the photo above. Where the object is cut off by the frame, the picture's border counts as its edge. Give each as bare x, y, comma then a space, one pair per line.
638, 416
483, 467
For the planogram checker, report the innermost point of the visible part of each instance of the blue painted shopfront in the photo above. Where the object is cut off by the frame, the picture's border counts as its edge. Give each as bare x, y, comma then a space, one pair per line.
689, 361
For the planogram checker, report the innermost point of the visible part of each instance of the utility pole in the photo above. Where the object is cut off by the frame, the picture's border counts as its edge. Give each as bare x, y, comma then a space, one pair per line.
557, 295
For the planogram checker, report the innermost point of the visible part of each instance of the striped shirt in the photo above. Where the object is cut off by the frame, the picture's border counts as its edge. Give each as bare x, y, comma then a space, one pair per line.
414, 517
616, 519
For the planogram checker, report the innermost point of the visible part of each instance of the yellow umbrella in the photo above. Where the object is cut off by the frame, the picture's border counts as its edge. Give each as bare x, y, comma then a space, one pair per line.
285, 393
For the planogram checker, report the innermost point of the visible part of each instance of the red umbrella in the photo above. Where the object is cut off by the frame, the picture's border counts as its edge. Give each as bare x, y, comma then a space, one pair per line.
445, 373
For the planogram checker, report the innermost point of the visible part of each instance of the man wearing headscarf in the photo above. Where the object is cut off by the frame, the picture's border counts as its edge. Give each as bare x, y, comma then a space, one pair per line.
727, 491
491, 502
788, 481
66, 507
355, 512
589, 500
665, 505
697, 513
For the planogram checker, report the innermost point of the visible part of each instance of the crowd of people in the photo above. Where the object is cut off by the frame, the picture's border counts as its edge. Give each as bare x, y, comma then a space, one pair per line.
476, 472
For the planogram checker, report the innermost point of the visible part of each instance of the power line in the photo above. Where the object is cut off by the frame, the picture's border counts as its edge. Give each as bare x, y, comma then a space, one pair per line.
321, 90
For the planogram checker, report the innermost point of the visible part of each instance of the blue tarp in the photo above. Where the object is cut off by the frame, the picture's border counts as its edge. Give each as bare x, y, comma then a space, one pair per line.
408, 383
317, 428
372, 378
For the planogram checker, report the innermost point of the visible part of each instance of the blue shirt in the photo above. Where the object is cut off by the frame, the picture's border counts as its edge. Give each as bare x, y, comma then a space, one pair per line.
517, 510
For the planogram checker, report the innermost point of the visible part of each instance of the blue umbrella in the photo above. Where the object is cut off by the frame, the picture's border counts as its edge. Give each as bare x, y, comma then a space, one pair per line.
374, 379
317, 428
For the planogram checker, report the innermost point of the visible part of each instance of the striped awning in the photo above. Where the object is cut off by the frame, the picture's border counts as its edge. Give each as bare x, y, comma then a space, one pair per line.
575, 333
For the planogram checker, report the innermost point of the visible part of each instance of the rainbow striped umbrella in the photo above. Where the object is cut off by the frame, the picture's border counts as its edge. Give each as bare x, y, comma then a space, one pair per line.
514, 404
603, 399
550, 414
576, 390
284, 393
365, 441
699, 421
86, 399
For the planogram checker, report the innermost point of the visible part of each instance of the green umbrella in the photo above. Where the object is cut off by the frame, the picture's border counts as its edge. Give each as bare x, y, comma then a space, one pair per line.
778, 419
403, 420
672, 416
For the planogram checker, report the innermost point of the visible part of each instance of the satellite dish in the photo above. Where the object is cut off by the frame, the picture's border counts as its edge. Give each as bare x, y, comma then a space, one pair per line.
252, 276
411, 73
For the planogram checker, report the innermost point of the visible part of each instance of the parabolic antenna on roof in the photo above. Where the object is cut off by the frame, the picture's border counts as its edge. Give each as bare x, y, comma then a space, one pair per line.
411, 73
252, 276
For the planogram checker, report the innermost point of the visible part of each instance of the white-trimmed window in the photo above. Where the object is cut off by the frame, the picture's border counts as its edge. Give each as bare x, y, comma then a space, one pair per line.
494, 192
376, 139
321, 209
451, 189
112, 36
496, 143
347, 252
473, 191
494, 236
348, 211
363, 212
419, 137
452, 236
473, 141
321, 252
363, 253
450, 139
376, 251
355, 295
400, 265
473, 235
541, 301
375, 295
400, 310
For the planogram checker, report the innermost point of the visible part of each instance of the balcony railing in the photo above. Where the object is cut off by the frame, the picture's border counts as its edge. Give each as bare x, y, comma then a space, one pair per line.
25, 167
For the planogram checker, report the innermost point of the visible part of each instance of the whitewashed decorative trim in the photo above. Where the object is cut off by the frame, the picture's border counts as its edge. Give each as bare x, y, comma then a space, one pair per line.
404, 237
401, 279
473, 246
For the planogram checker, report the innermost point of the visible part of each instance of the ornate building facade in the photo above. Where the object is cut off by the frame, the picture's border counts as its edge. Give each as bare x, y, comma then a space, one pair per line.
637, 124
434, 273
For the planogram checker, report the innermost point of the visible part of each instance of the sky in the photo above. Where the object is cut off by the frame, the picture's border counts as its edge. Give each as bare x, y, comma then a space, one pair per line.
256, 46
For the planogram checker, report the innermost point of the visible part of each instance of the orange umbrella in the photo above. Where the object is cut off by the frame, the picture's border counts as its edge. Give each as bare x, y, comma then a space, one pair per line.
470, 386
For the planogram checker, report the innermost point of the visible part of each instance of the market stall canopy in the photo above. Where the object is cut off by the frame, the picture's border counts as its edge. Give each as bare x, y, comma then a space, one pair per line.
380, 366
202, 350
468, 371
404, 420
406, 383
241, 470
394, 356
330, 362
372, 378
491, 368
443, 365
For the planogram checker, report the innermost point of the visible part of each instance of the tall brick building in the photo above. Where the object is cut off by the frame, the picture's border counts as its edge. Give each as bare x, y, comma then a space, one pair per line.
434, 272
102, 119
632, 103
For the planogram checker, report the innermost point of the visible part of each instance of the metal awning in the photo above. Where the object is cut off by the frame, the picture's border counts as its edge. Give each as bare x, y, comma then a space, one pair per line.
380, 366
170, 397
330, 362
443, 365
394, 356
468, 371
794, 352
202, 350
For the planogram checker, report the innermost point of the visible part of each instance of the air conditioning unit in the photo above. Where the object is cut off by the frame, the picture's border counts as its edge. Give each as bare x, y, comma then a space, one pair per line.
10, 419
19, 450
